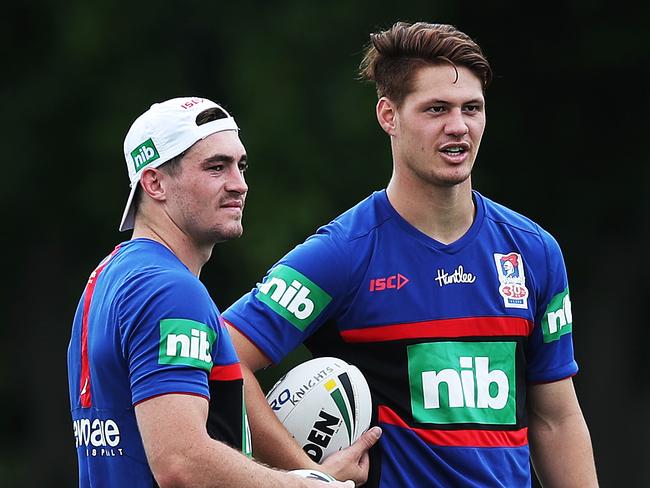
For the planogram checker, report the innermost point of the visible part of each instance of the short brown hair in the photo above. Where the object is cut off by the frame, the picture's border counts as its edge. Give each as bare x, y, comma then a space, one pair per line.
392, 57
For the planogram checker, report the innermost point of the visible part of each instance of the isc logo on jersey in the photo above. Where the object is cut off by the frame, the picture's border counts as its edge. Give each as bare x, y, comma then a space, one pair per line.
463, 382
558, 319
186, 342
293, 296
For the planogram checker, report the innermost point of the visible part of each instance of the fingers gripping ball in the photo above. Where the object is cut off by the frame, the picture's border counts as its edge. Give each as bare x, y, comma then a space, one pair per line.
324, 403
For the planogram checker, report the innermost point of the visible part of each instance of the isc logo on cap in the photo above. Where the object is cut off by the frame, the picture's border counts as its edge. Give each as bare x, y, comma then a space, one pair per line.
144, 154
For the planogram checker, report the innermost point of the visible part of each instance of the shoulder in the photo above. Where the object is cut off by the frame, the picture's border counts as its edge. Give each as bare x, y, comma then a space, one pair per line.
361, 220
147, 274
502, 216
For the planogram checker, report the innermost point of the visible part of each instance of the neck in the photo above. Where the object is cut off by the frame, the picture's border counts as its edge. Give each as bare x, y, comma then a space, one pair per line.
191, 254
444, 213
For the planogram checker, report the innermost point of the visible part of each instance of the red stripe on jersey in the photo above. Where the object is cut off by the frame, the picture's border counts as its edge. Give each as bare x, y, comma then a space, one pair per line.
463, 327
226, 373
459, 438
84, 380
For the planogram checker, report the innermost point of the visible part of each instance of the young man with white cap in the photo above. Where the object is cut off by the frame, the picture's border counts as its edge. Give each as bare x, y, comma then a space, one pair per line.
155, 385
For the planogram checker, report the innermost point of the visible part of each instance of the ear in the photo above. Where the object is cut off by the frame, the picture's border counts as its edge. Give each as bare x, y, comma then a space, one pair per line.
387, 115
152, 183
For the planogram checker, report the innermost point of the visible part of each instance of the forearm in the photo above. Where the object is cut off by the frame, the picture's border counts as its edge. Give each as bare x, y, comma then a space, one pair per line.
214, 464
272, 443
185, 456
561, 452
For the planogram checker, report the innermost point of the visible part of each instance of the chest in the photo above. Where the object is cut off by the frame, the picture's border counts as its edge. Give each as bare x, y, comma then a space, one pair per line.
408, 282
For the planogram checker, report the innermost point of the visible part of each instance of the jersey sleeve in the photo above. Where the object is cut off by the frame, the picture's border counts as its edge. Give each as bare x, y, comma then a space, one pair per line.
169, 332
297, 296
550, 354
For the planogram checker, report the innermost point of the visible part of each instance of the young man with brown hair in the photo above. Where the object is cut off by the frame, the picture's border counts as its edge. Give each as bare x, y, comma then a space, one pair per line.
455, 308
156, 389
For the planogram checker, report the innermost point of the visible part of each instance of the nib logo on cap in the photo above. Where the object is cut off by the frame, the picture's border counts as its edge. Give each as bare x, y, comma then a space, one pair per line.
144, 154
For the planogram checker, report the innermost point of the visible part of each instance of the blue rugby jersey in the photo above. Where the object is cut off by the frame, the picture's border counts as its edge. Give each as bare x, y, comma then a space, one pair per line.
447, 336
145, 326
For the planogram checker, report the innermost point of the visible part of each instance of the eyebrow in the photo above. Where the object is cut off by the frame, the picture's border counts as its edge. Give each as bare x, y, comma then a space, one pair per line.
474, 101
224, 158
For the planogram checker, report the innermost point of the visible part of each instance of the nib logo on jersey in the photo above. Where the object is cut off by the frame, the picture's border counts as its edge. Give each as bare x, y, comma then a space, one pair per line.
558, 319
293, 296
99, 437
463, 382
186, 342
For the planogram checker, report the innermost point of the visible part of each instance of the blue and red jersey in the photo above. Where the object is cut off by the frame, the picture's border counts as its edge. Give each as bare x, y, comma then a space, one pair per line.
145, 326
447, 335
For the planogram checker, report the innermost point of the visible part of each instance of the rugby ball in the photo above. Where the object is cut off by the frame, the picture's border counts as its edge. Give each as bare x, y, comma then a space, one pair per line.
324, 403
312, 474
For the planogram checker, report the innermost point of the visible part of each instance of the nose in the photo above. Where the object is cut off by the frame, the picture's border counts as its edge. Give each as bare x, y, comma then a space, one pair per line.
236, 182
456, 125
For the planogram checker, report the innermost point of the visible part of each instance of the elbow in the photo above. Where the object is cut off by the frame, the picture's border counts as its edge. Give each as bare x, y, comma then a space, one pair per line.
173, 473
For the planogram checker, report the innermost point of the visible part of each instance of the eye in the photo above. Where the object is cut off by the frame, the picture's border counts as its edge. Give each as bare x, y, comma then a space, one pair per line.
215, 167
436, 109
472, 108
243, 166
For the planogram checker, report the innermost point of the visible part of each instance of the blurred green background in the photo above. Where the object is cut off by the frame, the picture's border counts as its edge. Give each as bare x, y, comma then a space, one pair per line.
564, 145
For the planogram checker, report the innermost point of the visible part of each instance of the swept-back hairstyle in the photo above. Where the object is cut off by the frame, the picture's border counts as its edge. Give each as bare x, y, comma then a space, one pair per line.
393, 56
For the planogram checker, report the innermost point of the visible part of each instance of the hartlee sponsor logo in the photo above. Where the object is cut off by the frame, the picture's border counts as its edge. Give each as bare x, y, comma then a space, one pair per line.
463, 382
99, 437
458, 276
293, 296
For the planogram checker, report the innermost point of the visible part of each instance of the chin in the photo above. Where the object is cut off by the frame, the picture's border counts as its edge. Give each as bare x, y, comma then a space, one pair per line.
229, 233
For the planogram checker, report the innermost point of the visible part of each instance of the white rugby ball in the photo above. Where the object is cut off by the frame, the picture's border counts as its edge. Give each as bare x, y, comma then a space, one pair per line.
312, 474
324, 403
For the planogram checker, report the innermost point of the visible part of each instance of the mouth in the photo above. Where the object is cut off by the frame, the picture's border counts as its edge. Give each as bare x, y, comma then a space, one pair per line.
233, 205
455, 148
455, 151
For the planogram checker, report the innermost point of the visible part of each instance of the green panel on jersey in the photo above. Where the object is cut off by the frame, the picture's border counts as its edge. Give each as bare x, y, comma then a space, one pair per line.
246, 440
293, 296
558, 319
186, 342
463, 382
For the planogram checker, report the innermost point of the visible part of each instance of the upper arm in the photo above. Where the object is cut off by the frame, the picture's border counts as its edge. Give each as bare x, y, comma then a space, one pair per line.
159, 314
550, 404
296, 297
171, 427
250, 356
560, 444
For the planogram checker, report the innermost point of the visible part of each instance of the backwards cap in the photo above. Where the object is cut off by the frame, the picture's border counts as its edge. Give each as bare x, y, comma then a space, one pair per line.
162, 133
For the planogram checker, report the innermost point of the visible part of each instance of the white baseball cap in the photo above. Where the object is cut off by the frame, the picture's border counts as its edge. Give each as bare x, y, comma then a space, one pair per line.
162, 133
